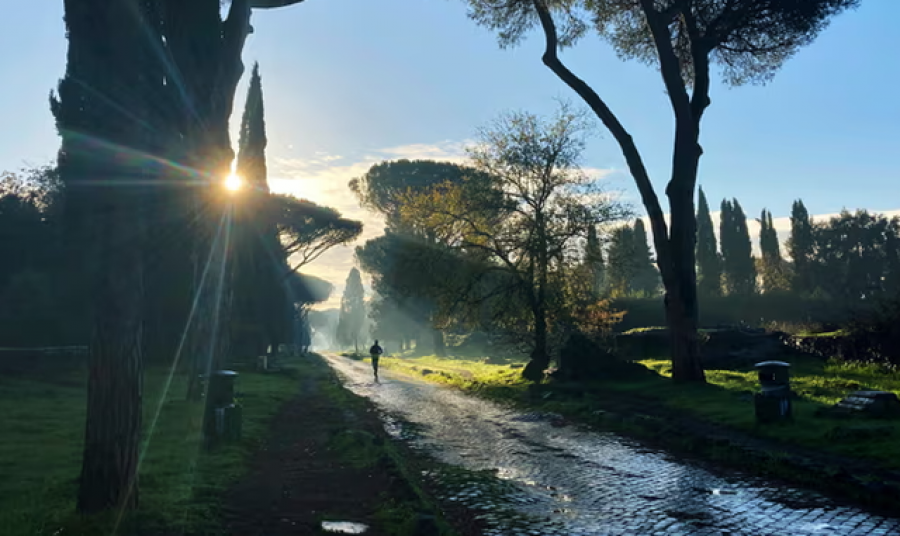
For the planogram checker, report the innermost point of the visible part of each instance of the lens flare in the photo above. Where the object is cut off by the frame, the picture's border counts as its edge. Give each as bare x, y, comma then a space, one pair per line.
233, 183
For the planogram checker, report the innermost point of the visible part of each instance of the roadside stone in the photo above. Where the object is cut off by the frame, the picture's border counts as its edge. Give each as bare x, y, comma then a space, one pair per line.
879, 404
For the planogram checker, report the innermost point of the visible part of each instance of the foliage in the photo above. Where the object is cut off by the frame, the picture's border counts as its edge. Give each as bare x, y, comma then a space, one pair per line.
414, 273
857, 256
750, 40
41, 288
252, 140
262, 308
383, 188
631, 271
353, 310
773, 268
526, 220
759, 310
594, 263
709, 262
801, 247
739, 269
308, 230
646, 277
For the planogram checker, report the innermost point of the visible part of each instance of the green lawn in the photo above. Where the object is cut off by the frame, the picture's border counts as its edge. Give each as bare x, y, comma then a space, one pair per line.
40, 454
727, 399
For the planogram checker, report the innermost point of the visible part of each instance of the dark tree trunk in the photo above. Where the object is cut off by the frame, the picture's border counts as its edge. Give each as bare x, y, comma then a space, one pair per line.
675, 252
206, 52
440, 349
681, 281
540, 358
112, 433
109, 55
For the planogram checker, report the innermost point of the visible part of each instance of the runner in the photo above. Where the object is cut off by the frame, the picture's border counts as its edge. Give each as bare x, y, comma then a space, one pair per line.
375, 351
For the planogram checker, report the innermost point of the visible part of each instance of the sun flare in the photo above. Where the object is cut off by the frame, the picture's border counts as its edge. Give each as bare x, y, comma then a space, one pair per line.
233, 183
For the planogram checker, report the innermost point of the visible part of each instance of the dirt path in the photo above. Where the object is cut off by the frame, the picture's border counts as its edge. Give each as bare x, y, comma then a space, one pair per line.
316, 466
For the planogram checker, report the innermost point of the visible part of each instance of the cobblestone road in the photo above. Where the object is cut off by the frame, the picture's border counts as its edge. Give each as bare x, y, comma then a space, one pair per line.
568, 481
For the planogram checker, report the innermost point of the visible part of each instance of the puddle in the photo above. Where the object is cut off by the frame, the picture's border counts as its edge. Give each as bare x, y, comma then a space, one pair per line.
344, 527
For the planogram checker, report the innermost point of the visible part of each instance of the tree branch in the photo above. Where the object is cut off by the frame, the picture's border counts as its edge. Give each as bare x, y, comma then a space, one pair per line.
611, 122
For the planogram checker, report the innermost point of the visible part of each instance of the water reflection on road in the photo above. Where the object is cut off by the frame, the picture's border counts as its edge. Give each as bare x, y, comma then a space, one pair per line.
569, 481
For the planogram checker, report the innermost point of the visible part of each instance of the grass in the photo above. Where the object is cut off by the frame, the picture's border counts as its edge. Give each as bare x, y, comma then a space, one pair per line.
726, 399
180, 484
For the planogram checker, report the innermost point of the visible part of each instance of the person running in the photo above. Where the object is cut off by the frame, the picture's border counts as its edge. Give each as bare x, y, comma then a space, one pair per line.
375, 351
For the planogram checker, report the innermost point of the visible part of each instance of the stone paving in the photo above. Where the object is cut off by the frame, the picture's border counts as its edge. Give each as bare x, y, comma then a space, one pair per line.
540, 479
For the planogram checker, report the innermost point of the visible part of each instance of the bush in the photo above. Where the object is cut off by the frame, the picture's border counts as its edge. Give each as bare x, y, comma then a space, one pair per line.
759, 310
875, 334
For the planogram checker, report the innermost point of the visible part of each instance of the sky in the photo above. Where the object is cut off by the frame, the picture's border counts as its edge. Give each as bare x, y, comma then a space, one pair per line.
349, 83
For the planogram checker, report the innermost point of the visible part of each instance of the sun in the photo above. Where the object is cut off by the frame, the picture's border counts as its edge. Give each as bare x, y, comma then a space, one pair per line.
233, 183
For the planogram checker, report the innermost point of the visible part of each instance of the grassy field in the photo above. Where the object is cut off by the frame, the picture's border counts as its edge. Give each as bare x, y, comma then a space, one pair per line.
40, 455
727, 399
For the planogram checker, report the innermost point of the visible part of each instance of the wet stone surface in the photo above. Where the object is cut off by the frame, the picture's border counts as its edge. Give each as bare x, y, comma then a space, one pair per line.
526, 477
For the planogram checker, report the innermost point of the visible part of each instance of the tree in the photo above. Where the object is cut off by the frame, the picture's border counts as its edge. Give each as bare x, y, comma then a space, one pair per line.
119, 97
621, 256
709, 263
749, 39
107, 52
426, 295
594, 263
384, 186
772, 266
262, 308
308, 230
856, 256
800, 247
646, 277
739, 268
526, 219
353, 310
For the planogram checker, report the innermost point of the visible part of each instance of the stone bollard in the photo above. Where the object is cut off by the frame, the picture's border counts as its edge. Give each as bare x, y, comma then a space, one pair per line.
773, 404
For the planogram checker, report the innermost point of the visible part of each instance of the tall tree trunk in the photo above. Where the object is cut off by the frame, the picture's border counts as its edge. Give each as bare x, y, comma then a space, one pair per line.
112, 433
681, 288
540, 358
440, 349
675, 253
206, 54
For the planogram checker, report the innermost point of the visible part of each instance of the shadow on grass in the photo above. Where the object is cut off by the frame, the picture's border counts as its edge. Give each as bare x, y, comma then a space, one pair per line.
40, 455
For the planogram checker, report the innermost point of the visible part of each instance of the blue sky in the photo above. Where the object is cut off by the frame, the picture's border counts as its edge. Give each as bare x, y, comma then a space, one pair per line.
349, 82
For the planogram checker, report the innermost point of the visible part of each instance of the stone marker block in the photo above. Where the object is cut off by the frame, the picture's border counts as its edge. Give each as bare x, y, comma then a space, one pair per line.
882, 404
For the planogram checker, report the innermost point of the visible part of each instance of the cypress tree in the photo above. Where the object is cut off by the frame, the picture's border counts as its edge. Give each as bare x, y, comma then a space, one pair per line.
745, 267
620, 268
745, 273
251, 163
726, 240
353, 310
709, 263
261, 304
593, 260
772, 263
646, 279
801, 248
737, 251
